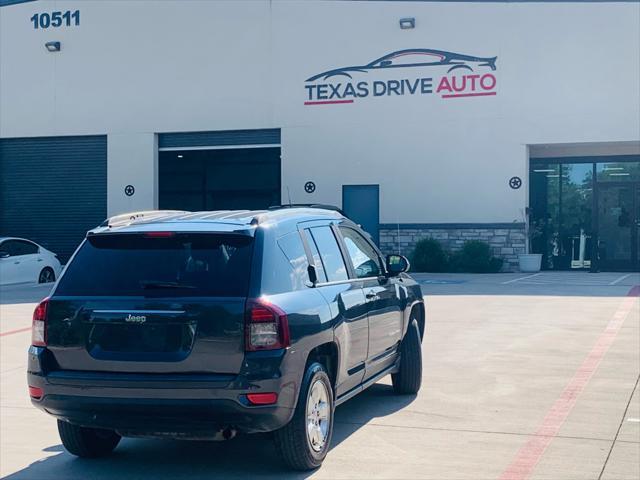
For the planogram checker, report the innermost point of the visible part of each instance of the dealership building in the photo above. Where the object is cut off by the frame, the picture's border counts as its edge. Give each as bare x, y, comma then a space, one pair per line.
452, 120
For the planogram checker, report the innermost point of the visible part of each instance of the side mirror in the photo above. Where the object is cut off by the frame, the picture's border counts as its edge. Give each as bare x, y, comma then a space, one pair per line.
385, 63
397, 264
4, 254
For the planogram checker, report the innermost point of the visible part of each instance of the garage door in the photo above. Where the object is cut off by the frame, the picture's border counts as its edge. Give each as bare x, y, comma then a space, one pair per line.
53, 189
222, 170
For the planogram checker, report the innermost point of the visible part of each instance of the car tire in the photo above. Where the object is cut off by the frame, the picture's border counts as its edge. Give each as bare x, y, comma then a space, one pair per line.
87, 442
301, 446
47, 275
408, 379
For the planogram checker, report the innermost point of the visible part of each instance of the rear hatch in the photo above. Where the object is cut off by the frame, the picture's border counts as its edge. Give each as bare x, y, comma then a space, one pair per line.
155, 302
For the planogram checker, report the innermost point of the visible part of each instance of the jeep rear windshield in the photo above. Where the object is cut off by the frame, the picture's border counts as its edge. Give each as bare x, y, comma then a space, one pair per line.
162, 264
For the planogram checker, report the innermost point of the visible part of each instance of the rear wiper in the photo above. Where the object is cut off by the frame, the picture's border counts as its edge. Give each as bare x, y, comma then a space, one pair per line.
150, 284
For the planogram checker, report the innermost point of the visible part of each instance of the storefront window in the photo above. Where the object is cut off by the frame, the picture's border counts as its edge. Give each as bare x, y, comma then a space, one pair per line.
618, 172
618, 213
574, 218
545, 211
560, 216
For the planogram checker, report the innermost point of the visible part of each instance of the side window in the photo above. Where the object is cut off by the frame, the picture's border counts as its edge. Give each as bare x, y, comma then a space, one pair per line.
291, 246
330, 254
366, 262
26, 248
12, 247
322, 277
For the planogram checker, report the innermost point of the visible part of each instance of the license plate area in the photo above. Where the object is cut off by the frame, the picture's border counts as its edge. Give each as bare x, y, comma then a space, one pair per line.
148, 342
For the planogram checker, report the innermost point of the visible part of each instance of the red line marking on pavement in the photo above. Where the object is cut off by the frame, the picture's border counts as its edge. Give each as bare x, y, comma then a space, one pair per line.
328, 102
531, 452
11, 332
481, 94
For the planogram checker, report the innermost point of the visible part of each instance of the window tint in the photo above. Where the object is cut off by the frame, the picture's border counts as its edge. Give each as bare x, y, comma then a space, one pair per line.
7, 247
322, 277
291, 246
364, 258
330, 254
178, 266
18, 247
28, 248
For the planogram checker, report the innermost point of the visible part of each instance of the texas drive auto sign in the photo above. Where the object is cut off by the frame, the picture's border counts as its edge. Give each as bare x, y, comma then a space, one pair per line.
463, 76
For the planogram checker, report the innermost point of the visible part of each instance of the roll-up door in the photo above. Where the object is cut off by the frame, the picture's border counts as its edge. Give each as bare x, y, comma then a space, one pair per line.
269, 136
219, 170
53, 189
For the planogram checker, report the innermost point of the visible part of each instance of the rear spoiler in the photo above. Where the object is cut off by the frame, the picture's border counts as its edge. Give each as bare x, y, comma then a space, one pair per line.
490, 62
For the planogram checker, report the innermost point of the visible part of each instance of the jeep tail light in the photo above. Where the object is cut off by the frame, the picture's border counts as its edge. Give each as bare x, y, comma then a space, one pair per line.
39, 325
266, 326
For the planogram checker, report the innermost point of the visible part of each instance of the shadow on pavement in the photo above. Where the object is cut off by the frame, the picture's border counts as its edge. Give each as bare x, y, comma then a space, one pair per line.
24, 293
243, 457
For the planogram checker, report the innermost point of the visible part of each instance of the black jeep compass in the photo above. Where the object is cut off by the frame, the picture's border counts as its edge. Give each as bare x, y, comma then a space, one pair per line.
201, 325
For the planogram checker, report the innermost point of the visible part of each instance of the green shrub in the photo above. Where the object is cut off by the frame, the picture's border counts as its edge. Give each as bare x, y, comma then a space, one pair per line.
429, 256
475, 257
495, 264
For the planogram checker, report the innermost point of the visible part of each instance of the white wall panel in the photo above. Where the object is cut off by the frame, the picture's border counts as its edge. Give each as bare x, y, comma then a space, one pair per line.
566, 73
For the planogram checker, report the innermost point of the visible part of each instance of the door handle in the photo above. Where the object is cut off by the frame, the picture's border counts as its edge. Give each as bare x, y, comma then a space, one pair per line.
16, 263
371, 295
39, 260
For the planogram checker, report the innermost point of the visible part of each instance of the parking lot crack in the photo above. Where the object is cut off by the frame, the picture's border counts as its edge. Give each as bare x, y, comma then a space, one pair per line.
615, 439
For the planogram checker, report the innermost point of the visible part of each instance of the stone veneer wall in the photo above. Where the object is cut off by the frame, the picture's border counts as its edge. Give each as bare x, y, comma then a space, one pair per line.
507, 240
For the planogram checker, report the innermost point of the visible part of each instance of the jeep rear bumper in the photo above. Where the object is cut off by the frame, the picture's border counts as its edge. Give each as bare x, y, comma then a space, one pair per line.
172, 405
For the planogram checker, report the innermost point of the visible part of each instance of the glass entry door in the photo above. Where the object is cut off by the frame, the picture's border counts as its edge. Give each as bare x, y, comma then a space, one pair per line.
618, 210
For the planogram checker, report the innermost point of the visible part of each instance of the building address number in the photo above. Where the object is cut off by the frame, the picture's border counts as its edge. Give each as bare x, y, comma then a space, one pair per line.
56, 19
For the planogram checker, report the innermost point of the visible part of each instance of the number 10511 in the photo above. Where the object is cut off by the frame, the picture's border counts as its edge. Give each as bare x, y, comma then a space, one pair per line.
56, 19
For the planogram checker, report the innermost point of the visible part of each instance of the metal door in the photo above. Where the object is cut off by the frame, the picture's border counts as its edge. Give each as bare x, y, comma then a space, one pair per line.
361, 203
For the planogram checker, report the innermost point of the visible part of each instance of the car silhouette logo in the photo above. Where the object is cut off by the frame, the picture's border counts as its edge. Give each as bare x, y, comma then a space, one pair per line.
410, 58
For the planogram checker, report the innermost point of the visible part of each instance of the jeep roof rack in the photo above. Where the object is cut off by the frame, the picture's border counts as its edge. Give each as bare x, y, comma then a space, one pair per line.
127, 218
309, 205
248, 217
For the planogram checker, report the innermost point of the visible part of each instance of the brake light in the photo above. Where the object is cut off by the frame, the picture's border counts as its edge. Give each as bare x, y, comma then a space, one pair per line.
266, 326
159, 234
39, 324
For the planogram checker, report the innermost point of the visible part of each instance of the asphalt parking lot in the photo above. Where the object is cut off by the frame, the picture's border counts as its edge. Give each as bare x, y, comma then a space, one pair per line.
525, 376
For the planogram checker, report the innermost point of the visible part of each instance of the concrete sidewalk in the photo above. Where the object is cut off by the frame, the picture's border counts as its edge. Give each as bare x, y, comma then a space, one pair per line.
500, 389
538, 284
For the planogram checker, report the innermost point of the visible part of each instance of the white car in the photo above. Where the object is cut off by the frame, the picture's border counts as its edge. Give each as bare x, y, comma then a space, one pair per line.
23, 261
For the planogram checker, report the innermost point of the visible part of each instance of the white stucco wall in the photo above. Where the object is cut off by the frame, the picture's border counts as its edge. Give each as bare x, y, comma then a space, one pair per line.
132, 159
566, 73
